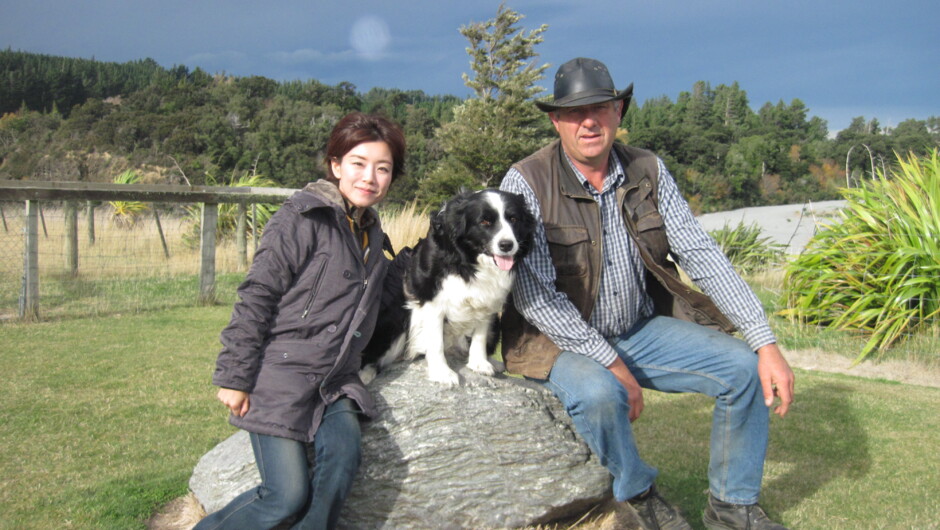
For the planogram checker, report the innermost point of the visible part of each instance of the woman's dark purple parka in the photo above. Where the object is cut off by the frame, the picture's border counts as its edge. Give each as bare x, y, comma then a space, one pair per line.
305, 312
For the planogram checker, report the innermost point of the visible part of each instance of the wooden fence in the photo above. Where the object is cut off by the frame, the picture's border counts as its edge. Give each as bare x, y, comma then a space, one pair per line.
74, 194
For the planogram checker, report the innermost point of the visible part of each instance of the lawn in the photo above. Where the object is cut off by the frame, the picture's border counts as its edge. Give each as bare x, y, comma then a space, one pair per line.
104, 418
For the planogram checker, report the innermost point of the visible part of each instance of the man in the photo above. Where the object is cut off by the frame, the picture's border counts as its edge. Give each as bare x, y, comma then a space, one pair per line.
599, 313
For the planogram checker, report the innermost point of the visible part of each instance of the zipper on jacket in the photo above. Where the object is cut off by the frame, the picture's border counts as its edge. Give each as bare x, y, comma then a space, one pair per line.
313, 291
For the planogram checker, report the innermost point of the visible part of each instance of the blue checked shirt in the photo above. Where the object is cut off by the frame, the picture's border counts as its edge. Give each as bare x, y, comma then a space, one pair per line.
622, 300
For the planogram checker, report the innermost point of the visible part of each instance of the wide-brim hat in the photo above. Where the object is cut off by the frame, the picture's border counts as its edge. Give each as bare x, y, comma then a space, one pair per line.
584, 81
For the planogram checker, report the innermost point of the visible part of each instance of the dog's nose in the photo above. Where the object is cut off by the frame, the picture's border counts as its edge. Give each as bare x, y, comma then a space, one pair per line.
506, 245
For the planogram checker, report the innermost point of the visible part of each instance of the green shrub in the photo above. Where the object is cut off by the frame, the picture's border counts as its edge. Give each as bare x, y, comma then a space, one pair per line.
878, 270
746, 249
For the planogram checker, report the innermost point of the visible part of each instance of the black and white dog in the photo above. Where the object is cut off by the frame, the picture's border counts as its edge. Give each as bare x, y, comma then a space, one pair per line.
454, 286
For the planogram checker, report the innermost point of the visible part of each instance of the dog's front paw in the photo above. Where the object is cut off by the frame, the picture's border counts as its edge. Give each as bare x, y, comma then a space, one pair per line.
484, 366
487, 366
443, 375
368, 373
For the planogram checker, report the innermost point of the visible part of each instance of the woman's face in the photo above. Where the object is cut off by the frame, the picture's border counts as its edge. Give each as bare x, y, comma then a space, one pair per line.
364, 173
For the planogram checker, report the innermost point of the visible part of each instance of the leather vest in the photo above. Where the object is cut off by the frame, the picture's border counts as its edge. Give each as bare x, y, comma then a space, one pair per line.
572, 222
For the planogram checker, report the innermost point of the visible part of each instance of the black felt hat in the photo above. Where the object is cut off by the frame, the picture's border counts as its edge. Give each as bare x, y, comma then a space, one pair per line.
584, 81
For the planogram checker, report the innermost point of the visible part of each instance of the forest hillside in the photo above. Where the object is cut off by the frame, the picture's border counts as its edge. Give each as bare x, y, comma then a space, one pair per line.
66, 119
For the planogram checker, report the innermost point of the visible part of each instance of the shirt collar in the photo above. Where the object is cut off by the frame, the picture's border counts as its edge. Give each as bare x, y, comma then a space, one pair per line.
612, 180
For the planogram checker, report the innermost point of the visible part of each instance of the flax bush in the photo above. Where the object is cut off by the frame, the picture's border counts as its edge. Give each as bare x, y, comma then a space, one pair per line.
126, 213
746, 249
878, 270
228, 212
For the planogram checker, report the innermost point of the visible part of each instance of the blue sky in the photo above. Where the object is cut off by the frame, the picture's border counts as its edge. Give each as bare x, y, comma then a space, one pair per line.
843, 59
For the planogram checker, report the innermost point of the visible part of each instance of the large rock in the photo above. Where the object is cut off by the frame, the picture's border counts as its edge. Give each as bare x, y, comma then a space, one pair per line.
494, 452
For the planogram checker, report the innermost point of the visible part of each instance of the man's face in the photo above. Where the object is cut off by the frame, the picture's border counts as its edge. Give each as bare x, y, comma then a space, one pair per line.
587, 133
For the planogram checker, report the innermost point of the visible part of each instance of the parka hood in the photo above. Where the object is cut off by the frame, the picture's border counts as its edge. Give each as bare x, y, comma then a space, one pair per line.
323, 193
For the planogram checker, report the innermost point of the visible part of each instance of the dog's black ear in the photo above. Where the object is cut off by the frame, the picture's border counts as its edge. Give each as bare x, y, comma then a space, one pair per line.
441, 229
455, 218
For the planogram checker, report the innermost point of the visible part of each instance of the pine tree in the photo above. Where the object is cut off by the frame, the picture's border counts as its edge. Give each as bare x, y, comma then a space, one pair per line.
500, 125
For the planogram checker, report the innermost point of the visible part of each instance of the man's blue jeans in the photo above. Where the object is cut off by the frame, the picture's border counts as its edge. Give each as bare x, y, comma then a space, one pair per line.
671, 355
287, 486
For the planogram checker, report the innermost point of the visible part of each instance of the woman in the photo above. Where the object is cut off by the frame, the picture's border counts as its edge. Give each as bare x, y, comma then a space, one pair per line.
288, 369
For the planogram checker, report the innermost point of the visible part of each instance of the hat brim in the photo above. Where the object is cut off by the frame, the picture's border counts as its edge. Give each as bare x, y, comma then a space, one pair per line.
589, 97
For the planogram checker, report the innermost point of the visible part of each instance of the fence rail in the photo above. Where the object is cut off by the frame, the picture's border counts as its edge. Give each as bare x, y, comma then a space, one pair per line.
14, 190
65, 200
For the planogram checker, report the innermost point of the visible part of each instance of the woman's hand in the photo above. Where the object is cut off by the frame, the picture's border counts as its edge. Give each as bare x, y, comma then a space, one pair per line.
235, 400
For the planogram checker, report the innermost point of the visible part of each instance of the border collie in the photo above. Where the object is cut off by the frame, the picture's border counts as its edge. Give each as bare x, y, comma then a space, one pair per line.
454, 284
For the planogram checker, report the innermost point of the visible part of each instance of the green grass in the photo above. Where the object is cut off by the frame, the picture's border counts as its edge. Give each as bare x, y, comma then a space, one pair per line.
852, 453
64, 296
104, 418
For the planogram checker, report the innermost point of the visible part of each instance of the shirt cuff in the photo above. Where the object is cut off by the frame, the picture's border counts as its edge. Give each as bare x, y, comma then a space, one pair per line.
759, 336
602, 353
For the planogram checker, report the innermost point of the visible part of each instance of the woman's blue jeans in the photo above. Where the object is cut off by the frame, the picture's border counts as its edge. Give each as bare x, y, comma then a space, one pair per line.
671, 355
287, 486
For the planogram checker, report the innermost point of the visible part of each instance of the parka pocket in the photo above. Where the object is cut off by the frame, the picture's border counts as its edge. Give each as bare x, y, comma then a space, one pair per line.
314, 288
302, 357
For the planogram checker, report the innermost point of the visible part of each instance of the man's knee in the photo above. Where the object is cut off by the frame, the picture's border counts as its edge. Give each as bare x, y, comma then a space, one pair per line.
743, 369
603, 398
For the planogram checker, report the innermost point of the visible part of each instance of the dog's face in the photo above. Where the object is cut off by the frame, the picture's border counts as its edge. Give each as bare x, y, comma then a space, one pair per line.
491, 223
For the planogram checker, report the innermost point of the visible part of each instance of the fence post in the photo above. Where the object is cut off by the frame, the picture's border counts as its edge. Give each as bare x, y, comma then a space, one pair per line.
29, 298
156, 218
90, 215
241, 241
43, 219
210, 218
254, 228
71, 237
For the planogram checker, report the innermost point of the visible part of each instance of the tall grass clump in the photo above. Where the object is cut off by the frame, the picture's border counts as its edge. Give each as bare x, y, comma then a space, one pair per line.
878, 270
405, 225
746, 249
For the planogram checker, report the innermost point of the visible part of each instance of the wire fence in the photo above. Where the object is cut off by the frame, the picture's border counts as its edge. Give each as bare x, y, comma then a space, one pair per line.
153, 264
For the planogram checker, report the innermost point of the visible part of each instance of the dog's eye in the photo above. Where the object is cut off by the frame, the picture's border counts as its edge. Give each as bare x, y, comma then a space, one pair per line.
513, 220
486, 222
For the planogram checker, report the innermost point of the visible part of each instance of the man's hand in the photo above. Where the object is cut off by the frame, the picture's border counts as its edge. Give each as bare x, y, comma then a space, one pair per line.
776, 378
235, 400
634, 391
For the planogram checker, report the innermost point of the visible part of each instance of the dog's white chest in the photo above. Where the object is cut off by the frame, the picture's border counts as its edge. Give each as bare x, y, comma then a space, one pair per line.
481, 297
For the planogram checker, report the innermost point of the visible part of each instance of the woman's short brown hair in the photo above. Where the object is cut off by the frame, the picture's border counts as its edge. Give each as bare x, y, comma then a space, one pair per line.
356, 128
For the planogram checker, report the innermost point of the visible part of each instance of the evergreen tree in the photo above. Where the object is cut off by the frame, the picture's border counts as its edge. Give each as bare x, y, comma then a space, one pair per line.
500, 125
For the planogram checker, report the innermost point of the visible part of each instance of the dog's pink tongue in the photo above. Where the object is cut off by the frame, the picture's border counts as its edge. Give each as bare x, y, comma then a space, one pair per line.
503, 262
